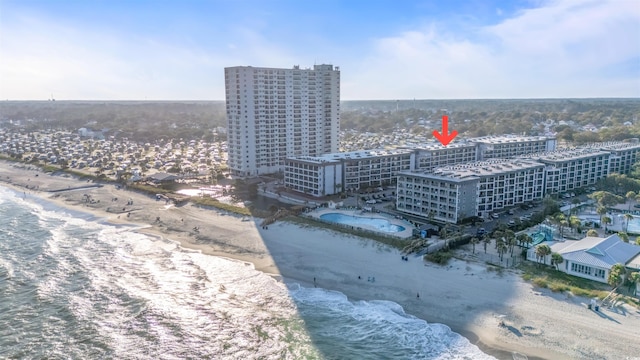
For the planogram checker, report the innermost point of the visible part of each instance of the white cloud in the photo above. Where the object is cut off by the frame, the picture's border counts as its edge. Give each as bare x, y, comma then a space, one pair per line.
567, 48
563, 49
39, 57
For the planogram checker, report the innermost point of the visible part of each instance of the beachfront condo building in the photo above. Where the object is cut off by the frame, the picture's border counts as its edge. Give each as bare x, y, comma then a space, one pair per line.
508, 146
372, 168
276, 113
623, 155
331, 174
453, 193
431, 156
445, 193
570, 169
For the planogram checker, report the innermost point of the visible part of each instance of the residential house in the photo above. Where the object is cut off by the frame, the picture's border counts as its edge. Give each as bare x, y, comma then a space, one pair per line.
592, 257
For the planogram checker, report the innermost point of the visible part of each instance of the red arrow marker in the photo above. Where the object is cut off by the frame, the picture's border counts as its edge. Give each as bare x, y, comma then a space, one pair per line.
445, 138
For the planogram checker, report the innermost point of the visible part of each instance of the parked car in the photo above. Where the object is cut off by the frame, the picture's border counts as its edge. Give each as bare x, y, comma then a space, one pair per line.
495, 216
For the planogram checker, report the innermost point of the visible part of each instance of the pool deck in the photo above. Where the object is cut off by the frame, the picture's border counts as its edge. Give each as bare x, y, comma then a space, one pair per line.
406, 233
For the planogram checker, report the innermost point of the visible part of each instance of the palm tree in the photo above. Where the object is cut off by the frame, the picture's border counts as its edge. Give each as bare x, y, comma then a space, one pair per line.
562, 223
623, 236
601, 211
616, 275
525, 240
542, 251
502, 247
560, 220
574, 222
606, 221
630, 195
627, 217
474, 240
486, 241
556, 259
634, 280
510, 240
592, 232
498, 235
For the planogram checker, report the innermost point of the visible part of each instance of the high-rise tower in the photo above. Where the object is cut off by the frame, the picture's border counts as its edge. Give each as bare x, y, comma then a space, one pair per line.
277, 113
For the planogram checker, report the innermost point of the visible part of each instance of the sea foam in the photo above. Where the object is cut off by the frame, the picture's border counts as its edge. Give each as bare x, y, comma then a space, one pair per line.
77, 288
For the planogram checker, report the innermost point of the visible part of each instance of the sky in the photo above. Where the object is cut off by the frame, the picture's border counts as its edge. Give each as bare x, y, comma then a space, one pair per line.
386, 50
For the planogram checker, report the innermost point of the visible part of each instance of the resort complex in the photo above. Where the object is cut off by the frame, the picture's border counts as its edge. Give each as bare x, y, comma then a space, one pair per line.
449, 184
450, 194
366, 168
333, 173
480, 188
506, 146
575, 168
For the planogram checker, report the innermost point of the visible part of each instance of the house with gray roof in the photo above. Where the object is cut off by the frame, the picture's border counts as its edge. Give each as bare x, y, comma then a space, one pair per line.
592, 257
162, 177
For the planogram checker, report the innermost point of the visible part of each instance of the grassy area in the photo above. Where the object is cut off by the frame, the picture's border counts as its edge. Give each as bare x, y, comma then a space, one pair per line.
557, 281
439, 257
211, 202
393, 242
149, 189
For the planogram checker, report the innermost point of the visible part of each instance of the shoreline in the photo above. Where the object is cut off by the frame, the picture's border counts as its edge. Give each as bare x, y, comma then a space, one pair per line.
464, 296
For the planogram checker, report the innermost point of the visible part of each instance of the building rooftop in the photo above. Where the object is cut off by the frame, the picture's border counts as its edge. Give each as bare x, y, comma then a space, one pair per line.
438, 146
564, 154
351, 155
479, 169
615, 145
504, 139
600, 252
295, 67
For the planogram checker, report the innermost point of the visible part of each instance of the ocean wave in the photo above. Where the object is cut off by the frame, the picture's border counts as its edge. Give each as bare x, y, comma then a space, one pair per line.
375, 329
84, 289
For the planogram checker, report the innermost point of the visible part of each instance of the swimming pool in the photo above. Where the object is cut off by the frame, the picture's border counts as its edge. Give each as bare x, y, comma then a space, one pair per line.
364, 222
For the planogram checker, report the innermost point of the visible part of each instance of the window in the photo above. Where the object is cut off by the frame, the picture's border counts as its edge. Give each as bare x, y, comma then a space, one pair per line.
599, 273
587, 270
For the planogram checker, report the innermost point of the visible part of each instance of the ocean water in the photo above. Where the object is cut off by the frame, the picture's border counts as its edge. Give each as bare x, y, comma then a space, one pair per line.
72, 287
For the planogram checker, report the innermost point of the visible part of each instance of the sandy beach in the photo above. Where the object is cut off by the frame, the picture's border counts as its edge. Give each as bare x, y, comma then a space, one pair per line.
464, 295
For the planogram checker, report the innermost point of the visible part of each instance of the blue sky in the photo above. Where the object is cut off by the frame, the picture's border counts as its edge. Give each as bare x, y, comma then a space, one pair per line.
176, 50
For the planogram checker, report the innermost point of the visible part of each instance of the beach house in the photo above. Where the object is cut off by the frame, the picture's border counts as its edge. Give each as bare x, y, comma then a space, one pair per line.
592, 257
